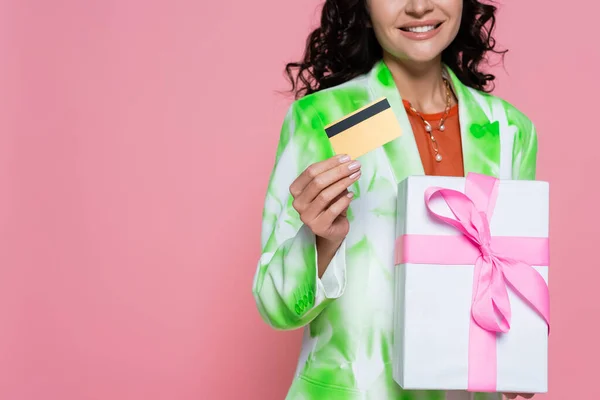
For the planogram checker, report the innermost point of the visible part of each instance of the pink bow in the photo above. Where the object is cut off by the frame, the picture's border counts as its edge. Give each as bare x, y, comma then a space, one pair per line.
493, 270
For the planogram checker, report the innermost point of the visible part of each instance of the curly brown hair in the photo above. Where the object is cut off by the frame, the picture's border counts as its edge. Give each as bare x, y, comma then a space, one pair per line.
344, 46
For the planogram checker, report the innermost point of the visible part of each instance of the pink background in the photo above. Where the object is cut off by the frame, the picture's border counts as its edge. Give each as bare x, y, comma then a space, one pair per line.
136, 140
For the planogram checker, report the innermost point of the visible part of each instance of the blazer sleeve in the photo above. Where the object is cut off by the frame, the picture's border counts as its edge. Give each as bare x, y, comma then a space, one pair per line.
286, 287
525, 152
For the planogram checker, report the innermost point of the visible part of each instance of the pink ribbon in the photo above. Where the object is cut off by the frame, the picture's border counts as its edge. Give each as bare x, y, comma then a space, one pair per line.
499, 262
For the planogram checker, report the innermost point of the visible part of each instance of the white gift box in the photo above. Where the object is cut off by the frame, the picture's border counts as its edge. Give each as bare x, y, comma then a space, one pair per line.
438, 344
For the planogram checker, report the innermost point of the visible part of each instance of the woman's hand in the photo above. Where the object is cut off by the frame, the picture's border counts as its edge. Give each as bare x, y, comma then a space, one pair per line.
321, 198
515, 395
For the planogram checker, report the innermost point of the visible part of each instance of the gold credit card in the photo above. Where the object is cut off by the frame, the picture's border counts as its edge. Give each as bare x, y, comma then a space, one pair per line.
364, 130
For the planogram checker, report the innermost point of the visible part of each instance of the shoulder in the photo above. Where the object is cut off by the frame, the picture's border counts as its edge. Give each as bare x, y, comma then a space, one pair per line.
306, 118
329, 105
514, 116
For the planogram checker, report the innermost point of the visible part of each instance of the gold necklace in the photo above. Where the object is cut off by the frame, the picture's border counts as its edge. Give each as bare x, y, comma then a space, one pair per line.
441, 127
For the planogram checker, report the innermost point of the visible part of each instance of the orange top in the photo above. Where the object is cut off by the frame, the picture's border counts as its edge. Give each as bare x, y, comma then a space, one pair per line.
449, 143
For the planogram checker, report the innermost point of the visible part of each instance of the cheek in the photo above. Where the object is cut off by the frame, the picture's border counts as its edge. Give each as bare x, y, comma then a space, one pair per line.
453, 9
452, 6
456, 27
382, 13
383, 20
384, 35
458, 13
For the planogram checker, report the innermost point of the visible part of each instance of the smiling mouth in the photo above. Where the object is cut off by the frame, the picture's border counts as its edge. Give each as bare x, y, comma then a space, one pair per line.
421, 29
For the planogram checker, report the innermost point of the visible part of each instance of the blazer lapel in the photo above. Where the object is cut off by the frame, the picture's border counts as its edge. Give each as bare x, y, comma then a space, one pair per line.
479, 127
402, 153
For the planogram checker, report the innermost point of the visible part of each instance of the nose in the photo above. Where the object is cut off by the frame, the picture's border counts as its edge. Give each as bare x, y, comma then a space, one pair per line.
418, 8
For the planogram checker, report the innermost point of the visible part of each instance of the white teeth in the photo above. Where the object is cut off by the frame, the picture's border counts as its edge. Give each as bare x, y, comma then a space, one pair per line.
421, 29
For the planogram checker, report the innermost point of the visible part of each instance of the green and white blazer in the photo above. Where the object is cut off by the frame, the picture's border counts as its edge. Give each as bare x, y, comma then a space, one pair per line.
347, 315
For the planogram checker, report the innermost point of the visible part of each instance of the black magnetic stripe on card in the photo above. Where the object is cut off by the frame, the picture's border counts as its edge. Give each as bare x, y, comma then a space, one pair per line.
357, 118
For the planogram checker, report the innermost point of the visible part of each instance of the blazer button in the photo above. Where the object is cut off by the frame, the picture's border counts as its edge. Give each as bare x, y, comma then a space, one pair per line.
297, 309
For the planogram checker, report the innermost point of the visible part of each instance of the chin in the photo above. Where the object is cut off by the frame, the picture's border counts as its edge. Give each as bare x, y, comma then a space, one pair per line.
421, 53
418, 57
425, 58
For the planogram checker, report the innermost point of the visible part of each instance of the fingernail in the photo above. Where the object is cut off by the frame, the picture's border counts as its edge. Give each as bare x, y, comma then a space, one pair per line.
355, 175
344, 158
350, 195
354, 165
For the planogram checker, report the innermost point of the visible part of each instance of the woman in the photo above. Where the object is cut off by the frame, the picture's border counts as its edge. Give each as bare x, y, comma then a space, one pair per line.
329, 222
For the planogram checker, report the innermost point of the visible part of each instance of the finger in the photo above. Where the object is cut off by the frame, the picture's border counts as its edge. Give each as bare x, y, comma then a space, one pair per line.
327, 217
345, 212
328, 197
339, 196
329, 178
315, 170
344, 193
326, 179
510, 395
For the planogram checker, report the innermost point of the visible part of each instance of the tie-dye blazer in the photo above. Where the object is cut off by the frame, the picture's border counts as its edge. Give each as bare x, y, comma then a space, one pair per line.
347, 314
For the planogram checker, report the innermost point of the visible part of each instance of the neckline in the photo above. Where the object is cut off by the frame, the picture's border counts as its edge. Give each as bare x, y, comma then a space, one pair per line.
452, 112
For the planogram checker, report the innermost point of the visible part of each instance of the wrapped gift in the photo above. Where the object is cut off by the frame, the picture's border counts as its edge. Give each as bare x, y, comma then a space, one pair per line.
472, 303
